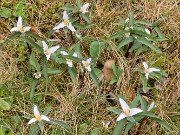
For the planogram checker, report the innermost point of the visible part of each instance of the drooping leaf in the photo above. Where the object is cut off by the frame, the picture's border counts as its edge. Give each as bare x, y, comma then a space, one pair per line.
125, 41
118, 34
160, 34
114, 110
33, 87
59, 123
34, 62
94, 78
119, 127
73, 74
149, 44
86, 18
34, 130
143, 103
51, 71
156, 118
10, 38
143, 22
33, 44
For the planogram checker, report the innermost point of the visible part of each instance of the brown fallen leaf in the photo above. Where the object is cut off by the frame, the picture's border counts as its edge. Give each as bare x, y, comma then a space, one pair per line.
107, 70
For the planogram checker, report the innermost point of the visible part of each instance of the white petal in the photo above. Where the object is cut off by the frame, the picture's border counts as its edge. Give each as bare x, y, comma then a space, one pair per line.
152, 105
59, 26
88, 68
48, 56
121, 116
19, 23
27, 28
14, 29
45, 47
43, 117
32, 121
135, 111
69, 63
147, 75
124, 105
74, 54
85, 6
145, 65
89, 60
53, 49
127, 20
153, 69
36, 112
147, 31
71, 27
65, 15
64, 53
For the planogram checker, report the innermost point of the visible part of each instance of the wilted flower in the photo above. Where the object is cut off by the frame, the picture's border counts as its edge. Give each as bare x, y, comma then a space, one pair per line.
84, 8
49, 51
147, 70
68, 61
37, 75
127, 111
38, 116
87, 64
66, 23
106, 123
19, 27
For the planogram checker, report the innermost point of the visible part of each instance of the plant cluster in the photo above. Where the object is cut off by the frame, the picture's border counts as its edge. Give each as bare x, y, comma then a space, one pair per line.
135, 37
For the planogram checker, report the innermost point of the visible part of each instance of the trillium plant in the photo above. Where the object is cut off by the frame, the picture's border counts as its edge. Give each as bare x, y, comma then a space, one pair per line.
48, 58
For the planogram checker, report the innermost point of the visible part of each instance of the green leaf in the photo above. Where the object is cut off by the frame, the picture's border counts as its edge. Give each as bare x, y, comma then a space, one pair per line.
96, 48
33, 44
160, 34
135, 102
34, 62
51, 71
95, 131
94, 78
10, 38
33, 87
143, 103
34, 130
4, 105
119, 127
143, 22
156, 118
126, 41
118, 34
144, 83
79, 3
149, 44
131, 18
73, 74
59, 123
69, 8
47, 110
19, 9
82, 26
86, 18
5, 12
135, 46
32, 34
114, 110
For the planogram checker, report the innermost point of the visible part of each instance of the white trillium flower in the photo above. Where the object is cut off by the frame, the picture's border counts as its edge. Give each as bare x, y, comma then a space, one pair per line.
127, 111
38, 116
147, 31
152, 105
66, 23
69, 62
84, 8
19, 27
148, 70
49, 51
87, 64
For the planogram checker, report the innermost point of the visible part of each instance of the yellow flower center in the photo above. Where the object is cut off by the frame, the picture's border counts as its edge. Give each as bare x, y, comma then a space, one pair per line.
86, 64
66, 22
38, 117
21, 29
127, 112
47, 52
